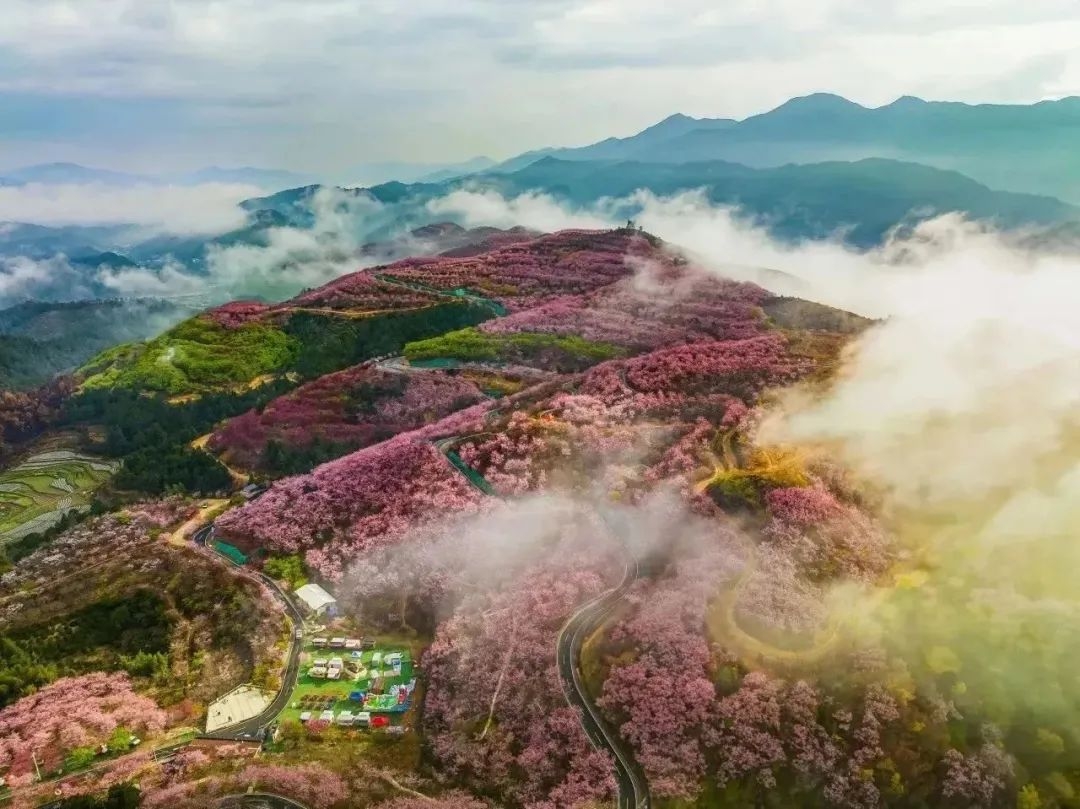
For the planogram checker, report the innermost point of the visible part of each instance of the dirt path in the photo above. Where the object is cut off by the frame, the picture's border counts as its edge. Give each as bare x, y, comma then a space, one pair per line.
180, 536
241, 479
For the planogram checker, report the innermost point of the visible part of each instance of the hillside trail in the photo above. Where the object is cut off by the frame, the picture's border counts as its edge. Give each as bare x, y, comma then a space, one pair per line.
179, 537
722, 620
239, 478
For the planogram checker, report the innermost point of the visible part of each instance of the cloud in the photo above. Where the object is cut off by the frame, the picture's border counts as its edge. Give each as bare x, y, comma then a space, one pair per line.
208, 208
169, 281
532, 210
295, 258
149, 83
958, 413
57, 279
22, 278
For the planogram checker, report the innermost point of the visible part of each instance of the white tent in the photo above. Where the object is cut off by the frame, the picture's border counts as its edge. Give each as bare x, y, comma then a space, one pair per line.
316, 599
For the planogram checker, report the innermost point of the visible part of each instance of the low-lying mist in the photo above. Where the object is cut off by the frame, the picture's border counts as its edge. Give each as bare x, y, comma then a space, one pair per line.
175, 209
959, 411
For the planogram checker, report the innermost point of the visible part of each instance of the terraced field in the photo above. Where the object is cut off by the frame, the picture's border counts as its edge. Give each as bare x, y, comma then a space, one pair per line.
35, 494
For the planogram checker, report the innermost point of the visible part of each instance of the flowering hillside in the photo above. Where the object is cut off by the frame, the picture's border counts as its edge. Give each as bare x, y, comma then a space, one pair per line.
528, 273
350, 409
558, 481
70, 713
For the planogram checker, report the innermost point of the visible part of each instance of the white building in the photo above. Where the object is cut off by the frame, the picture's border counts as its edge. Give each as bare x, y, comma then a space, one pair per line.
316, 600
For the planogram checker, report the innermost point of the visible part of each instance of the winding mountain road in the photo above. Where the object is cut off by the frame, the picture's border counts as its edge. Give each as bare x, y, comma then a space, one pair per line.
589, 617
252, 728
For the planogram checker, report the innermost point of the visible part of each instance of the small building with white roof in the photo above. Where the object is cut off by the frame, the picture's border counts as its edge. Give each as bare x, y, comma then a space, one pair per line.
316, 601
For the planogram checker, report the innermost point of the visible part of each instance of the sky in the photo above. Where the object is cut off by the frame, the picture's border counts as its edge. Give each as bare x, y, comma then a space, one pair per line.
325, 85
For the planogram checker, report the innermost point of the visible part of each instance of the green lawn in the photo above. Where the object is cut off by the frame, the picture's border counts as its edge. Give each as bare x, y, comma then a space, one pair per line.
34, 494
196, 356
562, 352
338, 690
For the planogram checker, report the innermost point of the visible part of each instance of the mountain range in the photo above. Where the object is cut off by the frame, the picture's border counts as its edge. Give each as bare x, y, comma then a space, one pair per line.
268, 179
1025, 148
818, 167
859, 202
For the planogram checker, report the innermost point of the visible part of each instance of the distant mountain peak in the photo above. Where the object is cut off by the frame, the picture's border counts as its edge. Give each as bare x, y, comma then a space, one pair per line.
819, 101
681, 121
677, 118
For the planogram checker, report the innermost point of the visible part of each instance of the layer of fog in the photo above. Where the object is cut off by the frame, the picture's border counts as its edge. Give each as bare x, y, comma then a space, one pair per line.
960, 411
276, 264
177, 209
440, 563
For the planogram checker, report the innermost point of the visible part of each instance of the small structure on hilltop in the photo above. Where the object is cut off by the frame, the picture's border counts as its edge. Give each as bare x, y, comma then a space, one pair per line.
316, 601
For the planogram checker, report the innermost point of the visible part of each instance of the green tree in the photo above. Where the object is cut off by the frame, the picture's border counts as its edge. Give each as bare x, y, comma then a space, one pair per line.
287, 568
1028, 798
79, 758
120, 739
1049, 742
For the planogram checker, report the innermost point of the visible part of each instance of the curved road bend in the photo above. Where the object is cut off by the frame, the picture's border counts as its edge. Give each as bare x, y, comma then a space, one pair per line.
633, 788
250, 728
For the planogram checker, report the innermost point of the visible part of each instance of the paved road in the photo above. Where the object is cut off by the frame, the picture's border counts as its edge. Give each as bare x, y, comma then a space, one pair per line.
633, 788
258, 800
252, 728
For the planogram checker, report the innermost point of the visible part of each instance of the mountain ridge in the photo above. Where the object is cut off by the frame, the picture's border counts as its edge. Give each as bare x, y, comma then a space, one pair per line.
979, 140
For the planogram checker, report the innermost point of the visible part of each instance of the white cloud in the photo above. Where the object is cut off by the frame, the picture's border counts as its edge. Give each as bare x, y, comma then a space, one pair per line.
532, 210
22, 277
169, 281
326, 84
206, 208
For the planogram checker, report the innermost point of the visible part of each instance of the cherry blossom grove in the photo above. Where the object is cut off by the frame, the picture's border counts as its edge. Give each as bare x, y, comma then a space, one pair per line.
69, 713
357, 407
724, 669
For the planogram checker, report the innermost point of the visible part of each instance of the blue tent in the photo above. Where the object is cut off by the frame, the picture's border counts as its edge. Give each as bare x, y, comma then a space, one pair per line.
357, 696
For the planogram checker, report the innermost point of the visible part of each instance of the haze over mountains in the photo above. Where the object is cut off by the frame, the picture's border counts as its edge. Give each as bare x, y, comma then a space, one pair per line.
816, 168
268, 179
1026, 148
